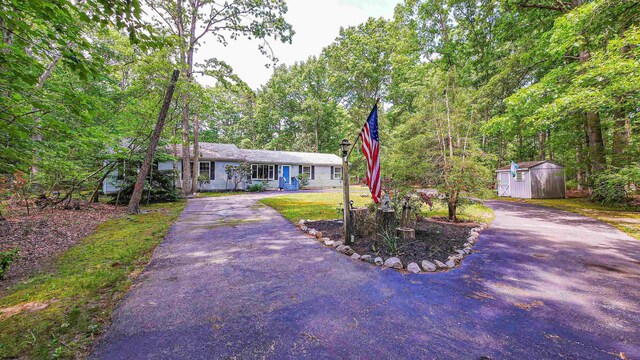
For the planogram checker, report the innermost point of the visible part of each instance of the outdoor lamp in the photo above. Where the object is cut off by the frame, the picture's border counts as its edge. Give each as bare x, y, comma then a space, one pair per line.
344, 145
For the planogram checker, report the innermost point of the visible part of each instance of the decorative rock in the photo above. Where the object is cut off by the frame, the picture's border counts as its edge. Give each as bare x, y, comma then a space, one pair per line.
393, 262
355, 256
467, 250
378, 261
329, 242
366, 258
337, 243
450, 263
324, 239
413, 267
467, 244
345, 249
440, 264
312, 232
460, 252
428, 265
319, 234
303, 228
301, 222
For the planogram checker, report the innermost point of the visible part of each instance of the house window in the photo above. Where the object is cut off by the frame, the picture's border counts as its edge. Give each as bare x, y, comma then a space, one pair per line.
262, 172
309, 170
207, 169
337, 172
519, 176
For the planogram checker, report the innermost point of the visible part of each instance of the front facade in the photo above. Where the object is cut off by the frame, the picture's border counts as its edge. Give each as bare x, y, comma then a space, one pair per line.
267, 166
533, 180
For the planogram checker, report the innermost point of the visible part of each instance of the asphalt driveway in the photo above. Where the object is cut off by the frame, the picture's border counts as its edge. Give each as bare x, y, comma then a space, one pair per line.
233, 279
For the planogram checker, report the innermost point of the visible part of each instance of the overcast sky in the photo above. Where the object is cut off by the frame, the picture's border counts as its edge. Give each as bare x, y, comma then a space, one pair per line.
316, 23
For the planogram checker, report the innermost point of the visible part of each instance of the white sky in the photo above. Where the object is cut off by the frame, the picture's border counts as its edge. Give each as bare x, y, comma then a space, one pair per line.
316, 23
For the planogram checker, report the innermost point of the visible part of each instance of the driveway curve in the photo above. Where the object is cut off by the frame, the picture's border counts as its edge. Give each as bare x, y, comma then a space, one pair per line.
234, 279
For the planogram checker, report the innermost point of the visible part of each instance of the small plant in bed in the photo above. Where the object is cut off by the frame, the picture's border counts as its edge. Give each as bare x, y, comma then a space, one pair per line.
435, 240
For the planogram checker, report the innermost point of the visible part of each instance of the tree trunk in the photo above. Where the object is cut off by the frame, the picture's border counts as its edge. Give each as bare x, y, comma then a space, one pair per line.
594, 130
620, 140
36, 136
196, 154
542, 155
134, 203
452, 205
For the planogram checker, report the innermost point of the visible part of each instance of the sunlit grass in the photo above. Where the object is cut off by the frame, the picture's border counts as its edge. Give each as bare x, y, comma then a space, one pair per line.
83, 287
313, 206
324, 206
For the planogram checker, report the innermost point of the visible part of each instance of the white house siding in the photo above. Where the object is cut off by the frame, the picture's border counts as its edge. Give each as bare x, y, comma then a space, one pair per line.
521, 189
322, 176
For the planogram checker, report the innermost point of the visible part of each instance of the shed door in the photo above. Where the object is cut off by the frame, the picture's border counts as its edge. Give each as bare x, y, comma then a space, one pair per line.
503, 184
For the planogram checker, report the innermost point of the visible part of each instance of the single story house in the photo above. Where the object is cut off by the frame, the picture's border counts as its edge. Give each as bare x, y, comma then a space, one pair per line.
272, 167
533, 180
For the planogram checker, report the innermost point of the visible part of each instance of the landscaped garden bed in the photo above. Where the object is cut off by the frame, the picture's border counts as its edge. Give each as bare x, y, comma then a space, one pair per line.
438, 245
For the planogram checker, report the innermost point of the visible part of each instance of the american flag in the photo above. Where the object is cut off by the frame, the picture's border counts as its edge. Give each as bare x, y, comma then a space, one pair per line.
371, 151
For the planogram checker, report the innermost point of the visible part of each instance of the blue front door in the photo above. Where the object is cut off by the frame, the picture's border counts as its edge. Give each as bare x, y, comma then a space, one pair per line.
285, 173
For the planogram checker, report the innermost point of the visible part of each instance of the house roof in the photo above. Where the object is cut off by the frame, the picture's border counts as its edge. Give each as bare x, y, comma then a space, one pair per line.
525, 165
230, 152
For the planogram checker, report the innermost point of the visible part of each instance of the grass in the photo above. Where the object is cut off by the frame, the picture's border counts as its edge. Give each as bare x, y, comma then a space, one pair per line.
312, 206
473, 212
324, 206
625, 219
82, 288
220, 193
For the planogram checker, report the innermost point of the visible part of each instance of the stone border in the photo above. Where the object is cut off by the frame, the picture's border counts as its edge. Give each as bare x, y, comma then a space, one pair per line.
394, 262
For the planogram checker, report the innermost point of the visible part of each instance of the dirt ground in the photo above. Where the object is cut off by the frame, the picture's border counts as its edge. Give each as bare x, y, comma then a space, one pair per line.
46, 233
434, 240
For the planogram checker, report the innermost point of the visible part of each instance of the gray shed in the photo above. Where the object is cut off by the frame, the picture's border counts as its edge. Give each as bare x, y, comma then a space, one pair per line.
534, 180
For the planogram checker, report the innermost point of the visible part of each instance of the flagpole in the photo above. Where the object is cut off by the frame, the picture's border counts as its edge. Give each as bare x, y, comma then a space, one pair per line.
358, 137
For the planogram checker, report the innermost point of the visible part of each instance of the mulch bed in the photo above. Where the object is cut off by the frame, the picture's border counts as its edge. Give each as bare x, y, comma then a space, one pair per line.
46, 233
435, 239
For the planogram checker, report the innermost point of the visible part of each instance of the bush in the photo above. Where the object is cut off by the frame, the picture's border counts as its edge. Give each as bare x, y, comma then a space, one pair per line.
161, 188
610, 188
257, 187
6, 258
304, 180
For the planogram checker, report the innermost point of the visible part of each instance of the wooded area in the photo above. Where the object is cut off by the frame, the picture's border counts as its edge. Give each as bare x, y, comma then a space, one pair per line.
466, 87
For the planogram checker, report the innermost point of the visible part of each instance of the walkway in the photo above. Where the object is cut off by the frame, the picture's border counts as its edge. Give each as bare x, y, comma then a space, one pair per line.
234, 279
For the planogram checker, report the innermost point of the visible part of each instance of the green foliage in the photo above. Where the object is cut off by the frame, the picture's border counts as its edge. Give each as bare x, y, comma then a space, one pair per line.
82, 288
613, 187
303, 180
6, 258
257, 187
390, 241
159, 188
238, 173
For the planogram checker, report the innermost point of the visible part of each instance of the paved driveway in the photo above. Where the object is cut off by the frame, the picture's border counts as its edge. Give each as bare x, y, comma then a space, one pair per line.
234, 279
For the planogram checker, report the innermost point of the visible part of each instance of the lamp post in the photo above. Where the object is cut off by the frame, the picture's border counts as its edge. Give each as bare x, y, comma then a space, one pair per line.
346, 225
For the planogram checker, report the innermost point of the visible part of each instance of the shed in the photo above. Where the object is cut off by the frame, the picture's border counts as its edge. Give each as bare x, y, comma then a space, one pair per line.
534, 180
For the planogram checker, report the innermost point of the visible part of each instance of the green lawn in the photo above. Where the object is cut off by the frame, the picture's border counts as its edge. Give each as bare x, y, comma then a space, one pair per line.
474, 212
625, 219
313, 206
82, 288
322, 206
220, 193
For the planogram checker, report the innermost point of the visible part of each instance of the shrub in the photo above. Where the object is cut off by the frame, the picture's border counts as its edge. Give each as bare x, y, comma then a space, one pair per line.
161, 188
6, 258
257, 187
610, 188
304, 180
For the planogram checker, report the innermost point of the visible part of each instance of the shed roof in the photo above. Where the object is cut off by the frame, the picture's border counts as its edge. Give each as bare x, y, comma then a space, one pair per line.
230, 152
525, 165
